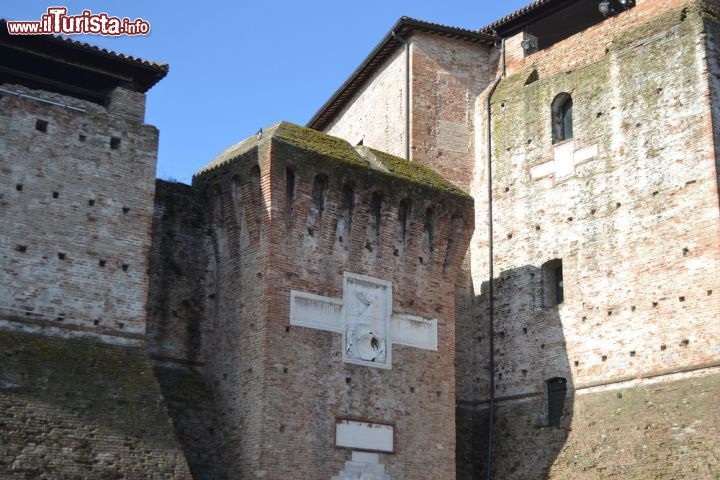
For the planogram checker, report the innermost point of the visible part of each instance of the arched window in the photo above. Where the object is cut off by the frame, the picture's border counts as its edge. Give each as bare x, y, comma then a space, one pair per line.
562, 123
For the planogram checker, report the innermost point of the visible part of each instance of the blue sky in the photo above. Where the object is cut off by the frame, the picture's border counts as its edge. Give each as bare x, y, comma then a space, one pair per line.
236, 66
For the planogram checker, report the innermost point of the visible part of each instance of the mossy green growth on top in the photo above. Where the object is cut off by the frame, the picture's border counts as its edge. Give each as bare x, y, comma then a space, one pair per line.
339, 150
318, 142
416, 173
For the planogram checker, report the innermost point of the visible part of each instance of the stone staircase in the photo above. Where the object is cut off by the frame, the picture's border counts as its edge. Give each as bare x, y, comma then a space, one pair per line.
363, 466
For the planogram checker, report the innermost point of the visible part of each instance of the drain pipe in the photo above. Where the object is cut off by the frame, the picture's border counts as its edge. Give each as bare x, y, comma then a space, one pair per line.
407, 92
491, 273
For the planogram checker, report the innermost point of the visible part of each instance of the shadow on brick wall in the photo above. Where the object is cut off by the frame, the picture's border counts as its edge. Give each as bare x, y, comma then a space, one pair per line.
534, 386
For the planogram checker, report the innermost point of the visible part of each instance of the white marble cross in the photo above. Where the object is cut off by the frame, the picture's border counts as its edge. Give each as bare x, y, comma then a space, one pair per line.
565, 159
365, 319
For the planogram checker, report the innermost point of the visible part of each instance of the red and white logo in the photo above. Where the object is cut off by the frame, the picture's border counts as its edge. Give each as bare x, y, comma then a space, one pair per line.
57, 22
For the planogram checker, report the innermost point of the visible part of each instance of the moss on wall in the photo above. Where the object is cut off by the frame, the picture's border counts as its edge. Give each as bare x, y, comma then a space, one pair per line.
337, 154
79, 409
665, 430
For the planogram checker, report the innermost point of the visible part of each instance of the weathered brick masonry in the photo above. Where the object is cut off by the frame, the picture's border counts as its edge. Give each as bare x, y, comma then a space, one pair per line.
77, 408
77, 393
635, 224
279, 388
77, 212
147, 331
178, 330
637, 230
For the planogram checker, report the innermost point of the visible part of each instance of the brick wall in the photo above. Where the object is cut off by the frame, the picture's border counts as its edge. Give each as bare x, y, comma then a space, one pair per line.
177, 327
635, 224
283, 385
447, 76
665, 428
178, 332
78, 408
77, 211
77, 391
377, 114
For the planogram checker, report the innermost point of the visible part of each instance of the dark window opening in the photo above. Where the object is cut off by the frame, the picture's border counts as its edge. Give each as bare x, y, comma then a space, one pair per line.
41, 126
562, 118
114, 143
558, 284
553, 285
556, 391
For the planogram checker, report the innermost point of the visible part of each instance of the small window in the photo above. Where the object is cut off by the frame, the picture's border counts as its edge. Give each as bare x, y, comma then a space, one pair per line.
562, 121
553, 287
556, 391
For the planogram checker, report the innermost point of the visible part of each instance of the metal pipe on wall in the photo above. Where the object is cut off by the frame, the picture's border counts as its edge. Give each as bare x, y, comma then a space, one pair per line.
491, 273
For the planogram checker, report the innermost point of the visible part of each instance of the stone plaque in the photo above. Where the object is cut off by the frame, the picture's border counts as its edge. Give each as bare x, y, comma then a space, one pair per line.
364, 436
365, 319
368, 306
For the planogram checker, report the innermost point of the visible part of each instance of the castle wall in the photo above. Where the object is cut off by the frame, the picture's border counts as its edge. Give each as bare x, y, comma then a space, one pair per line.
447, 77
634, 218
77, 390
236, 223
78, 408
376, 116
77, 212
177, 327
296, 381
178, 332
417, 394
660, 428
712, 30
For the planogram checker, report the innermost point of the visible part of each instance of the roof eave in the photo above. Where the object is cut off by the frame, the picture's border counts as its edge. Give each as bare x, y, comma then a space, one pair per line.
517, 20
145, 73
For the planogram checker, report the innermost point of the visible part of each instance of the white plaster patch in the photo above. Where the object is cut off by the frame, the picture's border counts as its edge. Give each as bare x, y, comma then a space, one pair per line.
585, 154
564, 163
565, 159
365, 319
315, 311
414, 331
542, 170
374, 437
